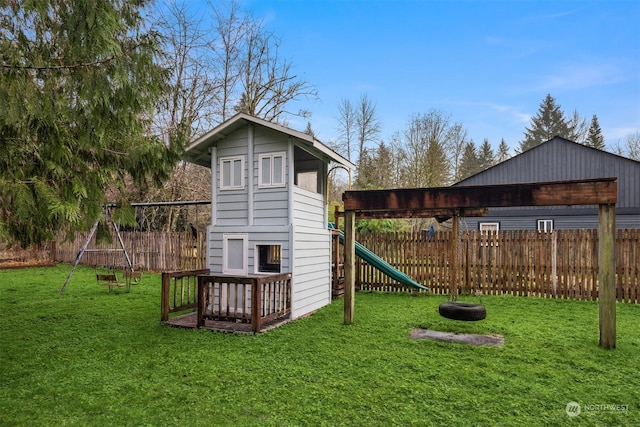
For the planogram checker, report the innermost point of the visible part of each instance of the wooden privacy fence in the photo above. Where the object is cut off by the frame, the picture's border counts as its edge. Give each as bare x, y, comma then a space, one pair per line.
14, 256
179, 292
563, 263
255, 300
149, 251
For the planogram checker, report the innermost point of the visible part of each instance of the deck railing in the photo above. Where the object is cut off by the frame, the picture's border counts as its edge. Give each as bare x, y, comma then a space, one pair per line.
179, 291
233, 299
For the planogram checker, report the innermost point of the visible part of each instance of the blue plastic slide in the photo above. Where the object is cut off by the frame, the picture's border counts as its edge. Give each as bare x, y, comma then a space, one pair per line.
380, 264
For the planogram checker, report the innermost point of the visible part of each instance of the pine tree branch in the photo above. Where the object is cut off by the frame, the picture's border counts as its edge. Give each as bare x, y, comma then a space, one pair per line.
70, 66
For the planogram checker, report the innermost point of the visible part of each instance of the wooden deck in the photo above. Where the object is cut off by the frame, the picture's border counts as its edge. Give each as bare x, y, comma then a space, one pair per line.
190, 320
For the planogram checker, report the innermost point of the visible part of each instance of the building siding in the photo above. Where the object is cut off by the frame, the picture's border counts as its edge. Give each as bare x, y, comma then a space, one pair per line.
312, 262
232, 205
561, 160
312, 270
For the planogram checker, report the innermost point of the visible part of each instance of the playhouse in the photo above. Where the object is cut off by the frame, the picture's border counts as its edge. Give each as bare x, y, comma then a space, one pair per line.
268, 211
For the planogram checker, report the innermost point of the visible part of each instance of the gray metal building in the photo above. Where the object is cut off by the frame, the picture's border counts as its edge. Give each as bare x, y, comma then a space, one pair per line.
558, 160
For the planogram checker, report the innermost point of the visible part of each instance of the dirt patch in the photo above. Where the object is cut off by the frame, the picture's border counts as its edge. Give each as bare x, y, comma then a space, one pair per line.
473, 339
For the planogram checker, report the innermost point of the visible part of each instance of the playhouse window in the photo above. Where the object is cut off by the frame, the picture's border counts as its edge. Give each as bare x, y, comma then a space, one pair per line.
234, 254
269, 258
271, 170
231, 173
545, 225
307, 180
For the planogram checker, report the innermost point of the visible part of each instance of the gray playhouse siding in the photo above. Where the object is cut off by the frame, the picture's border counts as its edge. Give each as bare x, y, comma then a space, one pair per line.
256, 235
558, 160
286, 215
232, 205
312, 253
270, 205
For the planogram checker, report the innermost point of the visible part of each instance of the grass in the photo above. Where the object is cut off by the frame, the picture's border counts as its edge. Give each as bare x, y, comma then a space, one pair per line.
90, 357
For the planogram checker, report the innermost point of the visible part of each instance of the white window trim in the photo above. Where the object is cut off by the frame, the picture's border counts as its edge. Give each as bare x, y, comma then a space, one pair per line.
486, 232
271, 156
544, 221
256, 259
225, 253
496, 224
233, 186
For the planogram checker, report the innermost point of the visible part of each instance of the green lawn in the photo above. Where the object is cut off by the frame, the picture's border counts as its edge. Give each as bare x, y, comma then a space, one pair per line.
91, 358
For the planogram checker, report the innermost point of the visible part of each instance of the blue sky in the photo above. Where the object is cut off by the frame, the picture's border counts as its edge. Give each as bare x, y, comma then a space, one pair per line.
486, 64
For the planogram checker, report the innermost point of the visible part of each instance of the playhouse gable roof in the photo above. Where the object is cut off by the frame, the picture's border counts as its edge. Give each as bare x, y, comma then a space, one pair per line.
198, 152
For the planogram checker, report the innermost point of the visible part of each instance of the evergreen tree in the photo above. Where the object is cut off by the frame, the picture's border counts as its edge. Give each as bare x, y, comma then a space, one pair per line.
595, 138
470, 163
78, 85
366, 178
375, 168
385, 166
547, 123
309, 130
503, 151
486, 158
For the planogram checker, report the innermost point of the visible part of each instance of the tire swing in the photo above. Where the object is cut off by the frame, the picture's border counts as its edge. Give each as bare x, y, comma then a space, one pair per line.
454, 309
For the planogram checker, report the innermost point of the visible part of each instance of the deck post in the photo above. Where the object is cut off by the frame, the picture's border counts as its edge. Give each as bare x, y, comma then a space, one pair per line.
164, 306
256, 301
349, 265
202, 282
607, 275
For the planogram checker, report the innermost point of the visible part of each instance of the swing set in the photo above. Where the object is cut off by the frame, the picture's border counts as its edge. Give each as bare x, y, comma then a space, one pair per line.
110, 277
470, 201
117, 269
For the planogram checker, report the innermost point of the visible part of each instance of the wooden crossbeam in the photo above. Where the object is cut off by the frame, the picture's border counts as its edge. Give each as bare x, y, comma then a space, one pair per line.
557, 193
417, 213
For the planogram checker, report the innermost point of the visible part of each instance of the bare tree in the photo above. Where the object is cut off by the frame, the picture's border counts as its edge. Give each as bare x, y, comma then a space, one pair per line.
367, 123
216, 70
231, 27
458, 139
346, 126
631, 148
578, 128
424, 143
191, 100
268, 82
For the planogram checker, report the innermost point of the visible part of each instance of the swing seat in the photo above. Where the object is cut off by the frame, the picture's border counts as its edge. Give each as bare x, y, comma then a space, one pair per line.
110, 280
462, 311
132, 277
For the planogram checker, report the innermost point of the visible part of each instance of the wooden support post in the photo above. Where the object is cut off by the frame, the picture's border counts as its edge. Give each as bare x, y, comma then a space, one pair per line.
349, 266
203, 283
607, 275
164, 305
453, 263
256, 305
